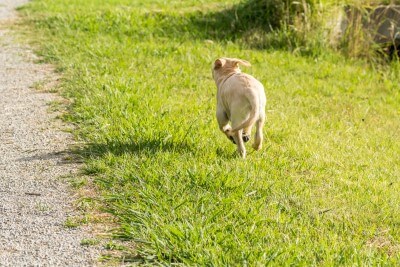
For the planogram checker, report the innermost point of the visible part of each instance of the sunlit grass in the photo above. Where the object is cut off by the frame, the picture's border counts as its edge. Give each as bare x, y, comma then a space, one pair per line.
323, 191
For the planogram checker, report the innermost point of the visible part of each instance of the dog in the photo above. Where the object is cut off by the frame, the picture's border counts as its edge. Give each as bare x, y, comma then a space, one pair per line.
241, 101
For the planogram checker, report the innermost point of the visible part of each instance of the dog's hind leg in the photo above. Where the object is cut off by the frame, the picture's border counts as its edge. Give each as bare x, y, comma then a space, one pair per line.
258, 139
240, 144
246, 134
223, 123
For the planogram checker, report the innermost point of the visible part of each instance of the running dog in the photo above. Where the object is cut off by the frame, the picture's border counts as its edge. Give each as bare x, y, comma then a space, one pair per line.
241, 101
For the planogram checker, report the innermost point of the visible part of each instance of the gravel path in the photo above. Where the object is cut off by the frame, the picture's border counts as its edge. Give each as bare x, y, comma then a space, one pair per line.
34, 201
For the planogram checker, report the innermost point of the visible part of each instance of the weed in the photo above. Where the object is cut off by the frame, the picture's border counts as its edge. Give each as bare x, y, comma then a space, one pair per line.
71, 222
89, 242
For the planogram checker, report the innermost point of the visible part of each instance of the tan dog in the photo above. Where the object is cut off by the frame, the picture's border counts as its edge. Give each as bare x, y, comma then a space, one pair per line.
240, 100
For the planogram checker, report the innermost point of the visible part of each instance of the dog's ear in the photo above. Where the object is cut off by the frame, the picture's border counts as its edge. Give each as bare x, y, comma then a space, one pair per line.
242, 62
218, 64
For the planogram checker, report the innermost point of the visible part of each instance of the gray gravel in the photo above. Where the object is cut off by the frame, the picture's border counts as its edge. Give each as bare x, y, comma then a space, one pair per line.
34, 201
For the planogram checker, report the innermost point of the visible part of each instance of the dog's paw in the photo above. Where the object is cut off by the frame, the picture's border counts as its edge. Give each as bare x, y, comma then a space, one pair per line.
246, 138
233, 140
257, 146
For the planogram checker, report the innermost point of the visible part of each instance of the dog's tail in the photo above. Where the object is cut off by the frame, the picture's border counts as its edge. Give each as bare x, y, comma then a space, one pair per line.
254, 113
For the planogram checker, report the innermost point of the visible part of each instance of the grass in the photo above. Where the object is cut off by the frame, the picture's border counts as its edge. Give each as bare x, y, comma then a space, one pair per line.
324, 190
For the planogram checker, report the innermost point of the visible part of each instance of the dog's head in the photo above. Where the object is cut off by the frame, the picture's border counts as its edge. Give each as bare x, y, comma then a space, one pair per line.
225, 66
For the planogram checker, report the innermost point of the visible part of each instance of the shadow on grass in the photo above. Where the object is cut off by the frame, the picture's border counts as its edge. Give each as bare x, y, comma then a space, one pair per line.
234, 22
260, 24
145, 147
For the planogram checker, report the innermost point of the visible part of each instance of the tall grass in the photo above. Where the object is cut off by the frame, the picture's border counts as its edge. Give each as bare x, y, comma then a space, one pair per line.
307, 26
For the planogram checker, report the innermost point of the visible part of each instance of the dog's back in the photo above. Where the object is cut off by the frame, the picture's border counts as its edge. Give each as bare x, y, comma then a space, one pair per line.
243, 98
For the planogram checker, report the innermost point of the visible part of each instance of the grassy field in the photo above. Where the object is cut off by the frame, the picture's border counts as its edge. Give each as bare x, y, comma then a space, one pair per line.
324, 190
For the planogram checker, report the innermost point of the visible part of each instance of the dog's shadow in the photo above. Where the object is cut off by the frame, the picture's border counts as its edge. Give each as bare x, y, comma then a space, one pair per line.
81, 153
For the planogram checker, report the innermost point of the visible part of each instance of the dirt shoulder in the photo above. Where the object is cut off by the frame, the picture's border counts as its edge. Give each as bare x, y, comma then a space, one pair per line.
34, 201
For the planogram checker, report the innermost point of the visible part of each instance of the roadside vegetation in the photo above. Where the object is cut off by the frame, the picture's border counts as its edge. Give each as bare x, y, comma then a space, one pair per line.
323, 191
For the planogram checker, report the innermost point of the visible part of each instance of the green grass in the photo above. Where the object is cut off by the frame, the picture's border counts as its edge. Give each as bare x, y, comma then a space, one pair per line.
324, 190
